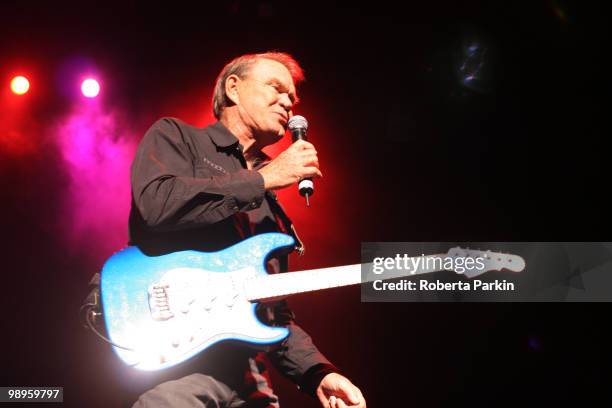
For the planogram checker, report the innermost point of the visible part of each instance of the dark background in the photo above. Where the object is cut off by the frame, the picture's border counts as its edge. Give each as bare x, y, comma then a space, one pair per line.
408, 154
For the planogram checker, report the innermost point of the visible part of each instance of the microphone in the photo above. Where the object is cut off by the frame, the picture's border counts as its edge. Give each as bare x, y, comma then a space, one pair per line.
298, 125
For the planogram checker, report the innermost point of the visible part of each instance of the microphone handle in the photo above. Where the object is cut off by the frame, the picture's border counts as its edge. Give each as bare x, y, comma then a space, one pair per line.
306, 185
298, 134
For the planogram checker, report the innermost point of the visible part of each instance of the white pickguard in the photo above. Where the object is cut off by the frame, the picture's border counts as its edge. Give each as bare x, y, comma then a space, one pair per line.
191, 309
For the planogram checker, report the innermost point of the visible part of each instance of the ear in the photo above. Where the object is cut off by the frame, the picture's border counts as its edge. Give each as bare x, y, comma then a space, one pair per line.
231, 88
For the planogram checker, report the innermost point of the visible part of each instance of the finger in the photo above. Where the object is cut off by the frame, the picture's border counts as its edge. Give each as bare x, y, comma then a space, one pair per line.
323, 399
354, 396
332, 402
304, 145
311, 172
311, 161
308, 153
362, 401
341, 403
307, 145
351, 392
299, 144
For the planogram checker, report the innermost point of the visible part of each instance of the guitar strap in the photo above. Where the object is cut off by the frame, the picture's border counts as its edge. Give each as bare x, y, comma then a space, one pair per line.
285, 220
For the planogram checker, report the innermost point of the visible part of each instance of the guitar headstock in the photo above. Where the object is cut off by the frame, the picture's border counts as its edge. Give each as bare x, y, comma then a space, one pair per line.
485, 261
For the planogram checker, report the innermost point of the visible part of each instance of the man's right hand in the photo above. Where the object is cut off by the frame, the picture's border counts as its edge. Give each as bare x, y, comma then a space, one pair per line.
297, 162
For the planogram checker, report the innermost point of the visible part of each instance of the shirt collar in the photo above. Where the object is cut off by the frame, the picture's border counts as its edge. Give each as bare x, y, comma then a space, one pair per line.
221, 136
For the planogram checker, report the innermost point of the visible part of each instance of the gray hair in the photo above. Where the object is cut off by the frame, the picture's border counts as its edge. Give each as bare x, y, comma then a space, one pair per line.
240, 66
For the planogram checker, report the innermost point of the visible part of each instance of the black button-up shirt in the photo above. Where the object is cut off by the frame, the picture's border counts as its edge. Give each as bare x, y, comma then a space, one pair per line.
191, 189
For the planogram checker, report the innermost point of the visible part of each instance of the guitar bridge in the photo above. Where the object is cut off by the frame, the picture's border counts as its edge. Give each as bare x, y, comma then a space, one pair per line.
159, 302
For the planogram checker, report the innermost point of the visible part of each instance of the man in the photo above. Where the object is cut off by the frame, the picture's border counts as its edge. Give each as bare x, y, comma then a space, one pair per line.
207, 189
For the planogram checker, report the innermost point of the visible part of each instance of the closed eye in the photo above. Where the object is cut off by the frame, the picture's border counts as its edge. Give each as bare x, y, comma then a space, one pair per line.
280, 89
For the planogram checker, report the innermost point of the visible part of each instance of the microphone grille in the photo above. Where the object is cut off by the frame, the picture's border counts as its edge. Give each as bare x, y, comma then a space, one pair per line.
297, 122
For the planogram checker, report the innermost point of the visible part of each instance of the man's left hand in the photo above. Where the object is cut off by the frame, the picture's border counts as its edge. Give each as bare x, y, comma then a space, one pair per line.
336, 391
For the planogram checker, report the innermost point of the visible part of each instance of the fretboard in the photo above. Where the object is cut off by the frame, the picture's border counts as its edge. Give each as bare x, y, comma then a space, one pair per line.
291, 283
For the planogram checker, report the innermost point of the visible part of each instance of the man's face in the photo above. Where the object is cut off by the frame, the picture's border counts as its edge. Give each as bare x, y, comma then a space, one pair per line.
267, 94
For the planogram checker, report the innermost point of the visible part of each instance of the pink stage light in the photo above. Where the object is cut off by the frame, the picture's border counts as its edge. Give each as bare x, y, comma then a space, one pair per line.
20, 85
90, 88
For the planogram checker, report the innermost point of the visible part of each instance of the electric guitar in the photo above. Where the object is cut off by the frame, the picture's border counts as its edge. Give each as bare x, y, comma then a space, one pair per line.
162, 310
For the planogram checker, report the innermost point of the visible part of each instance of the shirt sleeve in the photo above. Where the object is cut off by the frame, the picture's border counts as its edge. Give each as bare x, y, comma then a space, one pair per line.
296, 357
169, 196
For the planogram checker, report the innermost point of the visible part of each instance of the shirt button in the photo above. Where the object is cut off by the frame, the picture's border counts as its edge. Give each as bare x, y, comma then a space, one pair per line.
235, 208
253, 205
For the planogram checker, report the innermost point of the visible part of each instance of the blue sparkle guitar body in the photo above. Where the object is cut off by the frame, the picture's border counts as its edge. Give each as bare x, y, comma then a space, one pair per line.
163, 310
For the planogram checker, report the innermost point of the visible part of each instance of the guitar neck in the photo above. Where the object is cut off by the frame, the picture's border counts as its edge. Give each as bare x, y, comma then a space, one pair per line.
280, 285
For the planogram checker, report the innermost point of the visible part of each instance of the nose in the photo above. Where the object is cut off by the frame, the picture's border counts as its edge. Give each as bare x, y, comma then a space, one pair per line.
285, 102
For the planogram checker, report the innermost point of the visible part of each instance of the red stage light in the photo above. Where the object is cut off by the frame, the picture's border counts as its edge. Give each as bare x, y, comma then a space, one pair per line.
90, 88
20, 85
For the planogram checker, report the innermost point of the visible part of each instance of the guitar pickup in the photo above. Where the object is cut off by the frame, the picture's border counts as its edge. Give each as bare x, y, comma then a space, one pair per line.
159, 303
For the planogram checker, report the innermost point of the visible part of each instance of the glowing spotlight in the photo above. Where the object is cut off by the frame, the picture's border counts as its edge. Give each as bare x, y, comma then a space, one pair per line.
20, 85
90, 88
